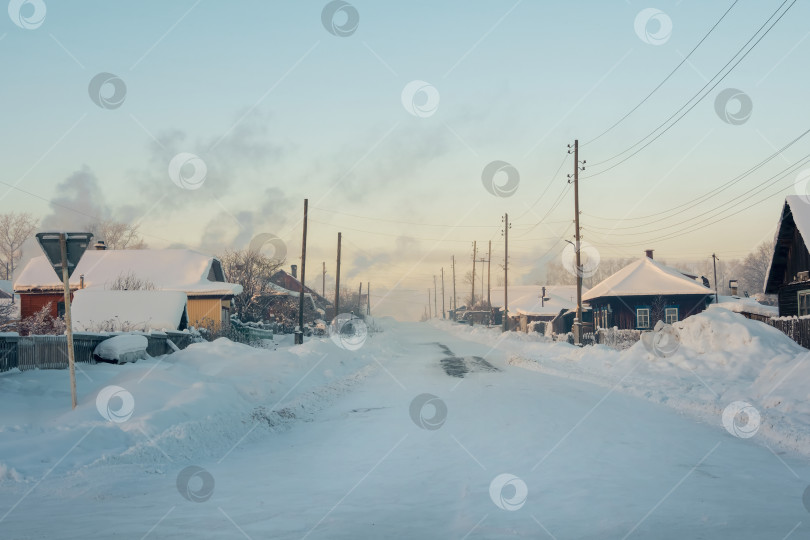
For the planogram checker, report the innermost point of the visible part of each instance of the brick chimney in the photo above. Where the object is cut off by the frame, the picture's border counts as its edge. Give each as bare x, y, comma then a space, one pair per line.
649, 253
294, 269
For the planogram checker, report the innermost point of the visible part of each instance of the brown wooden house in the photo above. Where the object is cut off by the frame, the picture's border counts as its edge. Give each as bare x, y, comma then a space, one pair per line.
644, 292
789, 273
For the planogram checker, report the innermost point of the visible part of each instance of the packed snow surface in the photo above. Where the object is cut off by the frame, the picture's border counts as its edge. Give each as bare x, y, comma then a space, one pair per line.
429, 430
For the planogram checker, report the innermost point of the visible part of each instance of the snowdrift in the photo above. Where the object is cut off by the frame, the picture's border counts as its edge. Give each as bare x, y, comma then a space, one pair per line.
723, 357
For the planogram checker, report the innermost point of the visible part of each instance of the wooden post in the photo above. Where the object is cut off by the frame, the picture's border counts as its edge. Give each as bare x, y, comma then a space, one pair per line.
475, 253
430, 315
435, 299
68, 320
443, 311
578, 324
455, 301
323, 285
505, 272
489, 275
337, 279
368, 298
299, 336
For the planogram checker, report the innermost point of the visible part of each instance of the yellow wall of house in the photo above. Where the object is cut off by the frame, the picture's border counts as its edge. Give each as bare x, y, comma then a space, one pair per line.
201, 310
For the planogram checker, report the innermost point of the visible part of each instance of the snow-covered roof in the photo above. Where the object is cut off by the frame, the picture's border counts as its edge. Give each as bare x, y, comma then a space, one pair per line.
797, 210
646, 277
94, 310
742, 304
525, 299
168, 269
278, 290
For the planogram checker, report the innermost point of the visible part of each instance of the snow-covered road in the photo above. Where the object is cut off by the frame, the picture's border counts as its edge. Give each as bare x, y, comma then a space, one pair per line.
378, 443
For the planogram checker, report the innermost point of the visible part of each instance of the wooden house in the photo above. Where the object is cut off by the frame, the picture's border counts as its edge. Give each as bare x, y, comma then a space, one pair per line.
644, 292
789, 273
197, 275
533, 303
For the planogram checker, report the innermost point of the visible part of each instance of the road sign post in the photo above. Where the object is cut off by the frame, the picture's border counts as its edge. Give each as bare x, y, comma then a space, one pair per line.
63, 251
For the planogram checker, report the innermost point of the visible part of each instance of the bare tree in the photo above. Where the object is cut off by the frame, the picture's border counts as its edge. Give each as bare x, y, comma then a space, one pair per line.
754, 267
8, 316
118, 235
252, 270
15, 229
131, 282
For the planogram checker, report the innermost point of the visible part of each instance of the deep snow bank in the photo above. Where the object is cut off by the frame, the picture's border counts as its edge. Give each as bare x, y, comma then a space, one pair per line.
723, 357
193, 404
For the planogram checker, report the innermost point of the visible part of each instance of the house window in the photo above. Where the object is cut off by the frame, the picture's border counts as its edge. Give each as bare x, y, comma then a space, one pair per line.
670, 315
804, 303
643, 317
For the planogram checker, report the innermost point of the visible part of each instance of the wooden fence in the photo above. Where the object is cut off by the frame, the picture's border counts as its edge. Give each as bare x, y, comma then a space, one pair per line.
796, 329
50, 352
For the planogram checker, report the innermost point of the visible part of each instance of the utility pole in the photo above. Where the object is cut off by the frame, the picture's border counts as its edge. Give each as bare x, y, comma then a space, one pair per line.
475, 253
337, 279
299, 335
368, 298
323, 285
489, 275
360, 295
435, 300
455, 304
430, 315
714, 262
443, 311
577, 329
505, 272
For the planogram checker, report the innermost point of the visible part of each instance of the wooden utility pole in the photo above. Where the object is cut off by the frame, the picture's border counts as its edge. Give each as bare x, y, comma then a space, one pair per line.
455, 303
505, 272
435, 300
368, 298
299, 335
430, 315
443, 311
577, 329
68, 319
714, 262
337, 279
489, 275
475, 254
323, 285
360, 297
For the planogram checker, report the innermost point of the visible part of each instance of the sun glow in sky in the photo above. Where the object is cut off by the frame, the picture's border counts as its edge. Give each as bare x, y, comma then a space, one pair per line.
387, 122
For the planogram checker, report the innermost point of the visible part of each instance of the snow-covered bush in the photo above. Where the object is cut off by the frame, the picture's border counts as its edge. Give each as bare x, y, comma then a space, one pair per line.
42, 323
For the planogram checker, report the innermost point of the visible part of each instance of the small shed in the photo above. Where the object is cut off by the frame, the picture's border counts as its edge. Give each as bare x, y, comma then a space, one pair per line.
644, 292
532, 303
789, 272
97, 310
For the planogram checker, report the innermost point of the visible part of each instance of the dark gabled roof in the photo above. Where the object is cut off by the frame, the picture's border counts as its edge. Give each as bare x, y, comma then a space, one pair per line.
795, 217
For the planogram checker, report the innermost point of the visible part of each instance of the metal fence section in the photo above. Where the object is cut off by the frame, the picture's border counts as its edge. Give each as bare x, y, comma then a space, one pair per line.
50, 352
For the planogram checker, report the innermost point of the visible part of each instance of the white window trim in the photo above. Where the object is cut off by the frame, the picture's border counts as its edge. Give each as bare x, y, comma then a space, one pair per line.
666, 315
638, 318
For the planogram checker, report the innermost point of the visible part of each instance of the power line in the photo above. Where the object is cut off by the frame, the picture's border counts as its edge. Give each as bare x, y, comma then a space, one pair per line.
699, 99
654, 90
706, 196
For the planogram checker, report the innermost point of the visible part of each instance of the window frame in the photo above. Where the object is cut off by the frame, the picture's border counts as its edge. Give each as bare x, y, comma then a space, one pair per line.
799, 296
649, 317
666, 315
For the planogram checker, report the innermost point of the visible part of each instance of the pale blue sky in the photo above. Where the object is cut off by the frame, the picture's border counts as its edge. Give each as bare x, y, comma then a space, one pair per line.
270, 100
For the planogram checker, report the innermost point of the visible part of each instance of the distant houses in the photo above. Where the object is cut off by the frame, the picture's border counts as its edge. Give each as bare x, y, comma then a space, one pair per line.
789, 272
197, 276
644, 292
281, 303
535, 303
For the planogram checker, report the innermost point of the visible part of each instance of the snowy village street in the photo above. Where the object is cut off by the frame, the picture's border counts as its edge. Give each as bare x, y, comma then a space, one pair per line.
321, 442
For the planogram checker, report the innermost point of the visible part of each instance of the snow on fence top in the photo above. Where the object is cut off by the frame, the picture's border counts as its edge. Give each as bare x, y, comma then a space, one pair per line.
525, 299
646, 277
94, 310
168, 269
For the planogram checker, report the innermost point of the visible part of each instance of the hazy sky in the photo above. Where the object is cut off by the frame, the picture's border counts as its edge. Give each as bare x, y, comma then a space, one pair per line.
278, 108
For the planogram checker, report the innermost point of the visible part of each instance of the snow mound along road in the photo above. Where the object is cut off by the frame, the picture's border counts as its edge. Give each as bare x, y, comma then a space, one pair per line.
719, 329
191, 405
